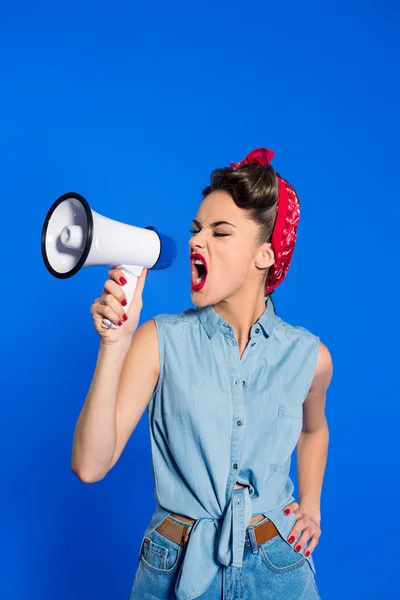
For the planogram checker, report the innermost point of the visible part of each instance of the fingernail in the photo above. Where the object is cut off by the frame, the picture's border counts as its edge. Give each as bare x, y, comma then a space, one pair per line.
298, 548
286, 511
291, 539
120, 323
308, 553
124, 302
123, 280
125, 317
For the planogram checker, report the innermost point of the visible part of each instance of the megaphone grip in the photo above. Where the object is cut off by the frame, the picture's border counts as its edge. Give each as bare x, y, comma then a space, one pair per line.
131, 274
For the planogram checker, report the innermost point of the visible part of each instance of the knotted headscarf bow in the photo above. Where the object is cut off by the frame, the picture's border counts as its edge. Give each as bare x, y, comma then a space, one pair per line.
287, 218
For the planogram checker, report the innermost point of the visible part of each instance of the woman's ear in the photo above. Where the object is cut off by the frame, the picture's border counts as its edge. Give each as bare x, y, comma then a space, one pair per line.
265, 256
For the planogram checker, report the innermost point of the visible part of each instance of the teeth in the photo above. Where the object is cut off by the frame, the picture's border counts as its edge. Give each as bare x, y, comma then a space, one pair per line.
198, 261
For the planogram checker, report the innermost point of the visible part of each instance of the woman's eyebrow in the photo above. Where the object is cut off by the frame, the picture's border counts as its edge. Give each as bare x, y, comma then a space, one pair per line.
215, 224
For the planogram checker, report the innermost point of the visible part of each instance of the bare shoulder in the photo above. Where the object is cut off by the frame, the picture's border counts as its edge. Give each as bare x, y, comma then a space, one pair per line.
144, 346
323, 371
315, 401
147, 331
148, 328
324, 367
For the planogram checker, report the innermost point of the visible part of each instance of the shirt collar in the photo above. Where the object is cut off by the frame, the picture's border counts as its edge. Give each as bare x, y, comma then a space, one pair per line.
213, 322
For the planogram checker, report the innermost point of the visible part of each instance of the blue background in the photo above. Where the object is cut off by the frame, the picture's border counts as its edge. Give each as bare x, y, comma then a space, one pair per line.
132, 105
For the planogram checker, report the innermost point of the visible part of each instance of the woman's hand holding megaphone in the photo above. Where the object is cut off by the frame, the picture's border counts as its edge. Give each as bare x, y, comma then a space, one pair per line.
111, 304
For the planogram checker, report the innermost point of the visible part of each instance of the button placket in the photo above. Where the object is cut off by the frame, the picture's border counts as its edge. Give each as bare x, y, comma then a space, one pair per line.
255, 334
238, 412
237, 391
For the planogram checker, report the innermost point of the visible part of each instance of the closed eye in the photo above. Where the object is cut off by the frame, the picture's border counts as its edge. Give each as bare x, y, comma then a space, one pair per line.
216, 234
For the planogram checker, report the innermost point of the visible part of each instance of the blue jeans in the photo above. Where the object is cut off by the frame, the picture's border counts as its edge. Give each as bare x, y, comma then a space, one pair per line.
273, 571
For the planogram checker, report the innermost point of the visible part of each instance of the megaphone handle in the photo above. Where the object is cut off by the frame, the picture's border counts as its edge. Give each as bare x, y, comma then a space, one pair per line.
131, 274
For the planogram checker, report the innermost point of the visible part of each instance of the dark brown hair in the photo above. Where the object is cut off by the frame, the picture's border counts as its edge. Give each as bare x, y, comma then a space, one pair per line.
253, 188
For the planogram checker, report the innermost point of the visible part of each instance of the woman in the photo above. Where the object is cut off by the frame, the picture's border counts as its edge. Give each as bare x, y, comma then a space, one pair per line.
230, 390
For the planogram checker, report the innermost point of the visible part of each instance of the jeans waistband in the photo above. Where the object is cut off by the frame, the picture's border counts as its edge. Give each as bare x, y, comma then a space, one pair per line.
189, 525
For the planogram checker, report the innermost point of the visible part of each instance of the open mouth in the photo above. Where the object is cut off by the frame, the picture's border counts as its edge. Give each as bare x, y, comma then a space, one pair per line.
199, 271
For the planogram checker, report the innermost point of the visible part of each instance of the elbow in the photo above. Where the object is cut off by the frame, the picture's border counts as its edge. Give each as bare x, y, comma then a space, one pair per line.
87, 476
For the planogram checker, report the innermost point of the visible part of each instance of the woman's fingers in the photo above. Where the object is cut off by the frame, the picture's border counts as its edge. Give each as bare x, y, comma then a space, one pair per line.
111, 287
312, 545
113, 305
301, 543
114, 286
303, 539
293, 506
306, 529
103, 311
118, 276
112, 302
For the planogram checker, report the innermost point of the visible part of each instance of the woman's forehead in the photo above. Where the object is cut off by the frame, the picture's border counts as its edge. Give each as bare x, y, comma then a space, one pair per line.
219, 206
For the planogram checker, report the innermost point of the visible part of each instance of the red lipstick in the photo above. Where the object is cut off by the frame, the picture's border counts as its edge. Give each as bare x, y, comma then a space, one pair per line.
199, 271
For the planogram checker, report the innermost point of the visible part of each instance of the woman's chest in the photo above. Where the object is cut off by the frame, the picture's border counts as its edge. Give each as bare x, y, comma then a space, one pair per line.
213, 383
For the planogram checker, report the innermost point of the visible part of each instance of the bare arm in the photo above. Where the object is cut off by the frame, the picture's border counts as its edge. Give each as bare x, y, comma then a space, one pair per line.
125, 377
312, 451
312, 447
139, 377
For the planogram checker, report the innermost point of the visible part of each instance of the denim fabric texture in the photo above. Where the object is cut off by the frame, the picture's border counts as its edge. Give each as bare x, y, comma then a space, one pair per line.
271, 571
216, 419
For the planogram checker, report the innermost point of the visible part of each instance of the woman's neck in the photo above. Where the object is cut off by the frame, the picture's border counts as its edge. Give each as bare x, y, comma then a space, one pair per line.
241, 311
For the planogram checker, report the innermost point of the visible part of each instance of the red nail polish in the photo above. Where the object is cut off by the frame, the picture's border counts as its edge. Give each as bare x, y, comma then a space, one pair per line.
123, 280
308, 553
298, 548
124, 302
120, 323
125, 317
286, 511
291, 539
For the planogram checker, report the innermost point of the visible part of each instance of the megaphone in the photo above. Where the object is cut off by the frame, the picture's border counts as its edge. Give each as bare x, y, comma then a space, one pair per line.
75, 236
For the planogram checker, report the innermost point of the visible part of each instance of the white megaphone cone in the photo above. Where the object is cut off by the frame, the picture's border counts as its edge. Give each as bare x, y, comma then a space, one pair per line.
75, 236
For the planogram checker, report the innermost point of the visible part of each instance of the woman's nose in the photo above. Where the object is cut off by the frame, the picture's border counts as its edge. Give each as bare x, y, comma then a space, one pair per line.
197, 241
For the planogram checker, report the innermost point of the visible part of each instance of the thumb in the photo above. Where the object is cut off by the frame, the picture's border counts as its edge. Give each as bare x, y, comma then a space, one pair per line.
137, 296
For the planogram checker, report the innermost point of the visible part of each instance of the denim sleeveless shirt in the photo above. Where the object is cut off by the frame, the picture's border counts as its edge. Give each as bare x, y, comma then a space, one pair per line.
216, 419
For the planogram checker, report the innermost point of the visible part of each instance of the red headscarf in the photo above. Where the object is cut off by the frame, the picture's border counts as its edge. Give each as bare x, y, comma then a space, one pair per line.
287, 218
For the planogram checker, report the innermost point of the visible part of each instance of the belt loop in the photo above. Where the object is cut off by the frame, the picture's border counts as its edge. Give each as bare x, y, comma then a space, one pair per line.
253, 541
185, 536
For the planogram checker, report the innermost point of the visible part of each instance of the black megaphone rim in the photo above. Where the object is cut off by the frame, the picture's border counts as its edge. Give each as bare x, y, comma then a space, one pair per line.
89, 237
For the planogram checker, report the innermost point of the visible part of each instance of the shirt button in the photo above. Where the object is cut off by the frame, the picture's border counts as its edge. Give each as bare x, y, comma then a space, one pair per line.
235, 465
239, 422
243, 383
253, 344
257, 330
236, 382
